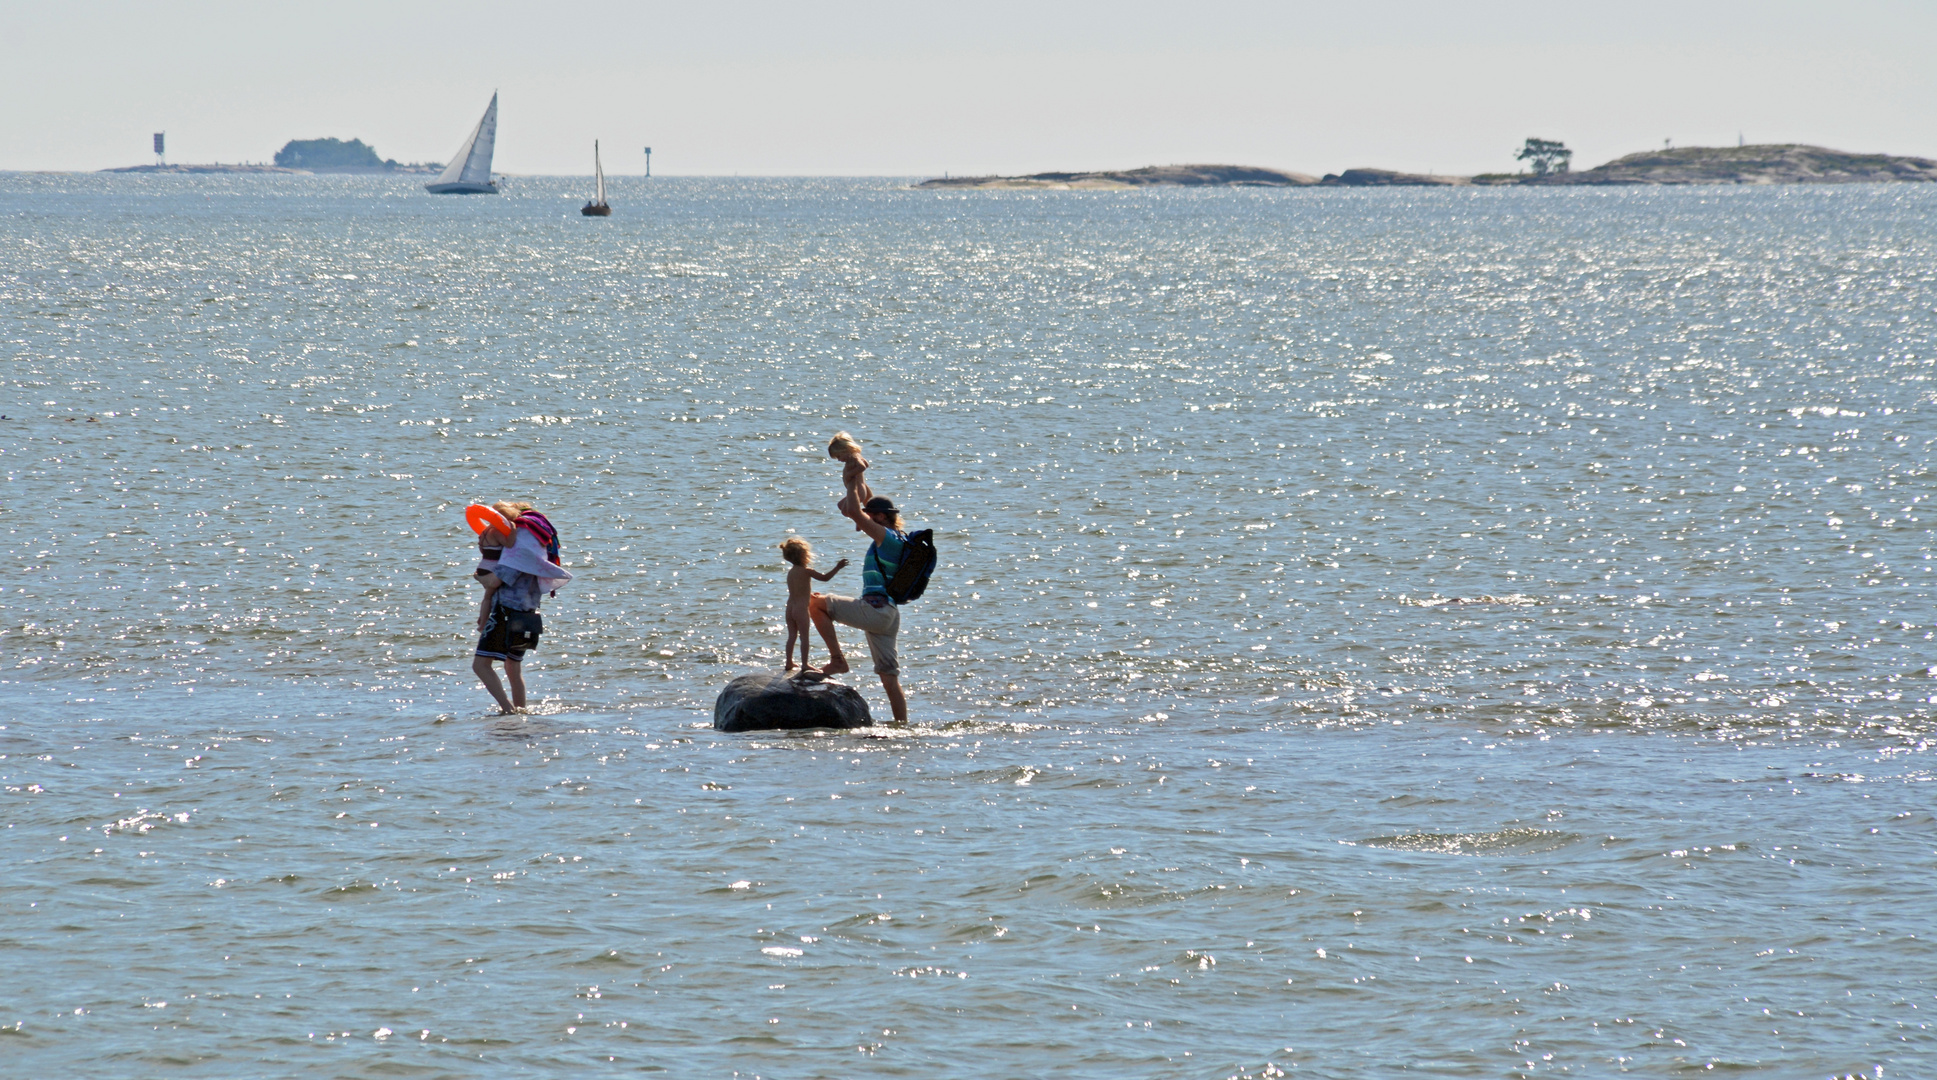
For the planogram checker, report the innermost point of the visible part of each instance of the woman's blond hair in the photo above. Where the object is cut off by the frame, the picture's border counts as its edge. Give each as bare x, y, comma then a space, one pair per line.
795, 550
842, 441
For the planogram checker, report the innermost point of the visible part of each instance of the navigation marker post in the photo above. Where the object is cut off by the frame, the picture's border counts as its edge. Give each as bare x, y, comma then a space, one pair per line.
161, 141
648, 162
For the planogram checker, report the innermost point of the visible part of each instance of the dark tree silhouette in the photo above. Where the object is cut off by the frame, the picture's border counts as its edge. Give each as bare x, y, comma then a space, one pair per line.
327, 154
1545, 156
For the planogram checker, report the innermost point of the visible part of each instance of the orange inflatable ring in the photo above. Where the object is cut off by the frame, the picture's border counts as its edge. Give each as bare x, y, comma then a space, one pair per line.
481, 518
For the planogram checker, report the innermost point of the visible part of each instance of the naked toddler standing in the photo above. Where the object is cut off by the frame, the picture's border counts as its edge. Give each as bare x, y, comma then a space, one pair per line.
800, 574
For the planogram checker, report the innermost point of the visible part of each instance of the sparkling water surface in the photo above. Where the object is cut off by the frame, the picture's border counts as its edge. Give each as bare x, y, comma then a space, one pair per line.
1468, 633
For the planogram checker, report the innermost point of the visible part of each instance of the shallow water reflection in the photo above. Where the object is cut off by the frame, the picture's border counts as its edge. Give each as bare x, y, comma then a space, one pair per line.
1472, 631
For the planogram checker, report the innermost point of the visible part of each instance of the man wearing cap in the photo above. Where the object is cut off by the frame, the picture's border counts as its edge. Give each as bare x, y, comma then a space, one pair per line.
874, 613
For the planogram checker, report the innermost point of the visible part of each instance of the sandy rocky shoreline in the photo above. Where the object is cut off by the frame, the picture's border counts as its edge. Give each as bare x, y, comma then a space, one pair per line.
1783, 163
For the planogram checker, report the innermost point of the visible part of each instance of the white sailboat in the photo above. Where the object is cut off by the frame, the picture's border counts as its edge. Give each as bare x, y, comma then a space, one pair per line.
598, 207
469, 171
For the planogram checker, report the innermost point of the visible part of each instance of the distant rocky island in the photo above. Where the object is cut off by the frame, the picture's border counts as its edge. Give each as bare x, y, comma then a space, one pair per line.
337, 156
212, 167
1192, 176
1148, 176
1780, 163
1776, 163
306, 157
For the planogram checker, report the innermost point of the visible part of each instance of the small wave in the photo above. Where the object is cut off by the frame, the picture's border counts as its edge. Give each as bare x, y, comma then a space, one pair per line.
930, 971
609, 956
142, 822
1509, 600
1524, 840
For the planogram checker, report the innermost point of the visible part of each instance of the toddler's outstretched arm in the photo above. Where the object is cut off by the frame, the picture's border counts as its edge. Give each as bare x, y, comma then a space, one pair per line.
829, 576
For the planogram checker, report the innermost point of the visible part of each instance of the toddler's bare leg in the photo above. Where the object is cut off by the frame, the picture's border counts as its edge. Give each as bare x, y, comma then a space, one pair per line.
793, 633
806, 642
858, 494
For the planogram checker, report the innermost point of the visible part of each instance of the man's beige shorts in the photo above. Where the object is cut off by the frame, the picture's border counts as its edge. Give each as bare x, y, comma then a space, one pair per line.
879, 623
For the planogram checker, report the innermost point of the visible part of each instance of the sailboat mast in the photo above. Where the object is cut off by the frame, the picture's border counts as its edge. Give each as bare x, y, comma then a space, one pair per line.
598, 169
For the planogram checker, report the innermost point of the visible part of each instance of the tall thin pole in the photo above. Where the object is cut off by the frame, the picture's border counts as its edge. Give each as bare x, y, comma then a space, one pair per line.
648, 161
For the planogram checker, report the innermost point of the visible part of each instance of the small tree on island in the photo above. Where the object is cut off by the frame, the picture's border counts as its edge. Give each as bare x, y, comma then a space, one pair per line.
1545, 156
327, 154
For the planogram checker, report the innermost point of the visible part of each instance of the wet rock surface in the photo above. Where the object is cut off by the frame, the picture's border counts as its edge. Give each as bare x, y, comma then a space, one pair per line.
769, 702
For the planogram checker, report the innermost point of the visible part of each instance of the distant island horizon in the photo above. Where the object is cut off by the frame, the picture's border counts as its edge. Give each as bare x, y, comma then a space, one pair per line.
1754, 164
1772, 163
306, 157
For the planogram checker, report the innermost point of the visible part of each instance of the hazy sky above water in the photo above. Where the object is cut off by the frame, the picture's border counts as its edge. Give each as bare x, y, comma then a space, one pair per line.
866, 88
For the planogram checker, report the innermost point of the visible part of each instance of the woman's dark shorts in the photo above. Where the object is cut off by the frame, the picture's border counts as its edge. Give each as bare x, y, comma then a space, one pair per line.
491, 643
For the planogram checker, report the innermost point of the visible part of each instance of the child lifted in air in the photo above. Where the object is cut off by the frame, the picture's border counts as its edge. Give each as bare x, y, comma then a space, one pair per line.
844, 449
796, 552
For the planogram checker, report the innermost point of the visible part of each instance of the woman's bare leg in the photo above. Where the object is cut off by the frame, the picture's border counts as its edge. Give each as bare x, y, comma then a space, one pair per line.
514, 671
481, 666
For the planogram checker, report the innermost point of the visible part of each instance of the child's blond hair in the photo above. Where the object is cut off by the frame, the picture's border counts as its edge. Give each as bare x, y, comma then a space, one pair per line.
842, 442
510, 509
795, 550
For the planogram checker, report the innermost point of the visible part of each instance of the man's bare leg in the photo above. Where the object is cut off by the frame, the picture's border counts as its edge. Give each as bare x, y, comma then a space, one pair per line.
515, 672
817, 610
481, 666
898, 701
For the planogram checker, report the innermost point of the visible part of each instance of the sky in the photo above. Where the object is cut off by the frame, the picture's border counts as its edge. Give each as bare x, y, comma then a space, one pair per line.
913, 88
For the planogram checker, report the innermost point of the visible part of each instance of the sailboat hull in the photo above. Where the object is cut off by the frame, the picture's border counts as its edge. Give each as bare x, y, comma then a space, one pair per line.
595, 210
461, 187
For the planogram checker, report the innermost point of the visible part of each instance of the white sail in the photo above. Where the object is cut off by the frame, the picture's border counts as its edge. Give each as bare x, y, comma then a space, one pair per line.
599, 171
471, 165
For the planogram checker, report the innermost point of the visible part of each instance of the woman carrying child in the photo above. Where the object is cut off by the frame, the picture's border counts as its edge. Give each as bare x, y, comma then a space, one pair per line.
525, 570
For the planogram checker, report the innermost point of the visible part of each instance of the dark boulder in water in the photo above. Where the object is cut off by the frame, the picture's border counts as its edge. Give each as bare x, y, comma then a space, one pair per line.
767, 702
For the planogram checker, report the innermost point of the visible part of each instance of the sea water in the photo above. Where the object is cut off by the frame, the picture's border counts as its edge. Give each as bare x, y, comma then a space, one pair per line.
1464, 632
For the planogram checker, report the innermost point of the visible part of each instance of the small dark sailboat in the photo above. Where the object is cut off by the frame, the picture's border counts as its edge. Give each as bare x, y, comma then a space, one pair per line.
598, 207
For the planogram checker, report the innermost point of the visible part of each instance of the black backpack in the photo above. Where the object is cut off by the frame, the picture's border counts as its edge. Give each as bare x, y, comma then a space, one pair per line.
917, 564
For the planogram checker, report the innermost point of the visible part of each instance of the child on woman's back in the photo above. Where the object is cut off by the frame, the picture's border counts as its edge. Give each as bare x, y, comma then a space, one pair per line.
844, 449
797, 553
491, 544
